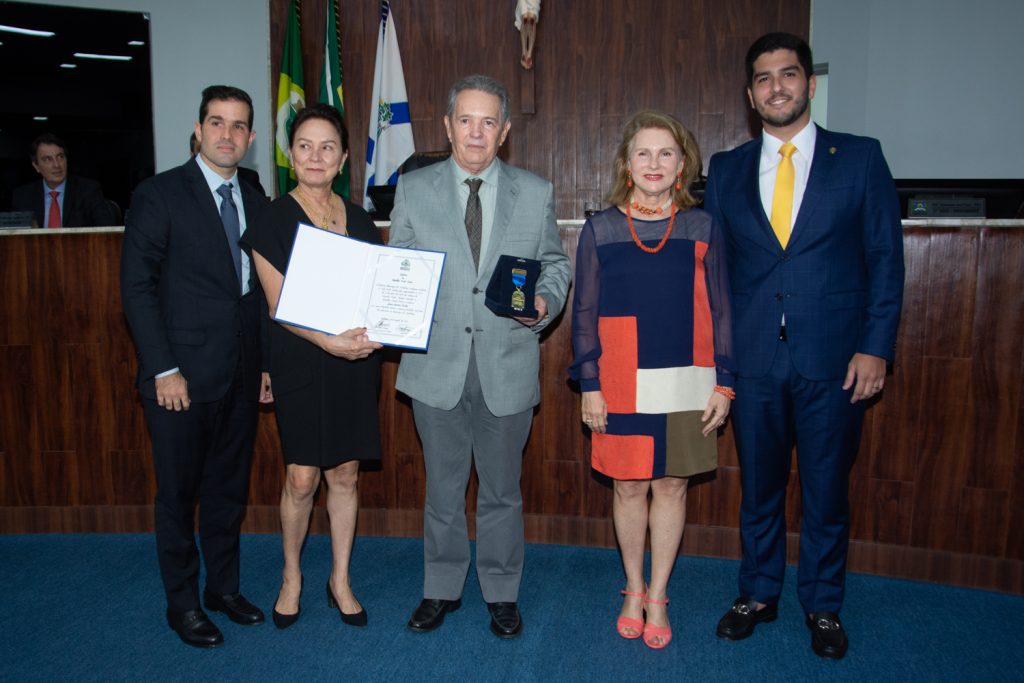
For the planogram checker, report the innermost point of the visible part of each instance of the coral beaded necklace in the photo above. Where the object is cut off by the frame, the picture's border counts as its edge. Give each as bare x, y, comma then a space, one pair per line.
636, 238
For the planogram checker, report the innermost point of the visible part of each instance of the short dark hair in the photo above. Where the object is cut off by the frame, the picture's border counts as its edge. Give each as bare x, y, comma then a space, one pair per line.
491, 86
322, 111
770, 42
47, 139
223, 92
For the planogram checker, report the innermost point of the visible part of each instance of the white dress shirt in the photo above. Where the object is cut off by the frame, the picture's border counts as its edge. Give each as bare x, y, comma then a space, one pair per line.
769, 166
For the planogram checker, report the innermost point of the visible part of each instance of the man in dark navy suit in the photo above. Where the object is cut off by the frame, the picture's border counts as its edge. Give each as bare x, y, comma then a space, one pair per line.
194, 306
60, 200
816, 262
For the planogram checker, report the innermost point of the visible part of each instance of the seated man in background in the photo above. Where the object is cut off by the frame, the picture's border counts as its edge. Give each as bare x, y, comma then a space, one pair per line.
61, 201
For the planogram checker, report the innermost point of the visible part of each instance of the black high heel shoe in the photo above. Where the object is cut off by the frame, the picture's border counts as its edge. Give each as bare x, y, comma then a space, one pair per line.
283, 621
357, 619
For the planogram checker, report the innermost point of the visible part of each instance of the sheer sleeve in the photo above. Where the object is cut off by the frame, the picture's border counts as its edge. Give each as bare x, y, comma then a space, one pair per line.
720, 299
586, 295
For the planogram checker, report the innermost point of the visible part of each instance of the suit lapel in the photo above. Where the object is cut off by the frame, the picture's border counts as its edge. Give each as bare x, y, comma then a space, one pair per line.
250, 205
504, 205
210, 216
821, 168
448, 207
41, 211
751, 168
70, 212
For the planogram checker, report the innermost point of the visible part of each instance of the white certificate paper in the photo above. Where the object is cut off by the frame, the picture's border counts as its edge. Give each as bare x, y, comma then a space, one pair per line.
334, 283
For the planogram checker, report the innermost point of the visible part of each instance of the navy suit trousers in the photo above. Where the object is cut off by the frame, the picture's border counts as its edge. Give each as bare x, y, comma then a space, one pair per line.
771, 414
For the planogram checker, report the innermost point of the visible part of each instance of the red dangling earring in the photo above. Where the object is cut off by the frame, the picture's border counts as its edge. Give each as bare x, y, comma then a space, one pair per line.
629, 179
679, 182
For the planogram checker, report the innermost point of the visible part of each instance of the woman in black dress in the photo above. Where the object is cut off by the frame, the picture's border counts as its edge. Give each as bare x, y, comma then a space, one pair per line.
325, 386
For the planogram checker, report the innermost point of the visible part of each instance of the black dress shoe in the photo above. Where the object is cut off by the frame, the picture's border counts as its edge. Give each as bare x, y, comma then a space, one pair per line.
195, 628
238, 609
828, 639
430, 614
739, 622
505, 619
354, 619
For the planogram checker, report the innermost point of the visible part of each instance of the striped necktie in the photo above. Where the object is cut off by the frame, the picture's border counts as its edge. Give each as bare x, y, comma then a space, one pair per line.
232, 227
474, 218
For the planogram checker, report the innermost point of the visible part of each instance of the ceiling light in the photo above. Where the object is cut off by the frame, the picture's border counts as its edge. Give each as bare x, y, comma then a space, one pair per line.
40, 118
26, 31
69, 66
136, 43
115, 58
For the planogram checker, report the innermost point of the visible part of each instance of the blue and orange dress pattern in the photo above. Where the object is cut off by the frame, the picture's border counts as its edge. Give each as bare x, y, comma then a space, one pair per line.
652, 332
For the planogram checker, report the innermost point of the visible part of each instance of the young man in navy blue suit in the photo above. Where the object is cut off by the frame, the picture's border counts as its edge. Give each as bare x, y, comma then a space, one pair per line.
194, 305
817, 292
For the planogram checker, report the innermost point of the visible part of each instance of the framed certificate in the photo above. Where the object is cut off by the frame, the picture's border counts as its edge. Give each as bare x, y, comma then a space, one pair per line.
334, 283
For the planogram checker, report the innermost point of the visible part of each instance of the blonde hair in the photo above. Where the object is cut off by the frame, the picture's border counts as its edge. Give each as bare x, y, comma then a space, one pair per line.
650, 118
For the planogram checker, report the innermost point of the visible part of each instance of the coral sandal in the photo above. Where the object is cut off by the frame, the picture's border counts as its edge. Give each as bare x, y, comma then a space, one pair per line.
652, 631
629, 622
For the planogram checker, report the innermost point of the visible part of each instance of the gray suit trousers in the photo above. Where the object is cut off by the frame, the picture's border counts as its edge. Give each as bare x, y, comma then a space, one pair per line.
452, 440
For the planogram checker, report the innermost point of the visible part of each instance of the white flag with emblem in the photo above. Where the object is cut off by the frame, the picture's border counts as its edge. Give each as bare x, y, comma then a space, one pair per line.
390, 142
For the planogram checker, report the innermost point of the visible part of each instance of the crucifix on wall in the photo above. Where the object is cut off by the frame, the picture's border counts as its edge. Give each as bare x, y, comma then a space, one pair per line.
527, 14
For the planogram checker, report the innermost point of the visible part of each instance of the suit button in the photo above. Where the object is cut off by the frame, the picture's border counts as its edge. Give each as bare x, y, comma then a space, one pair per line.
778, 297
469, 330
785, 257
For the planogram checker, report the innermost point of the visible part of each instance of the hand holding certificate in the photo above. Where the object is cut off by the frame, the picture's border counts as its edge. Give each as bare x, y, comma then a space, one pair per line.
334, 283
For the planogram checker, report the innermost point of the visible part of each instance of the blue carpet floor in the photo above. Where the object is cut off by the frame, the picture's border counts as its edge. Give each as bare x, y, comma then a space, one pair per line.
90, 608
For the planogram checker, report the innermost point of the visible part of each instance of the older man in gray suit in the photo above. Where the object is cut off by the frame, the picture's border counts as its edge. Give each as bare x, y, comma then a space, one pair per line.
474, 391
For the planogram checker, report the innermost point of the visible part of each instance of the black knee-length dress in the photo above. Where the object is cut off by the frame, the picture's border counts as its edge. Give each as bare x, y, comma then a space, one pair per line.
326, 406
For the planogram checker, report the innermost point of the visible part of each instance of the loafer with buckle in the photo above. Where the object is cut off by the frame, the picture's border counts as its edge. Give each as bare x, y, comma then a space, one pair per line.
828, 639
238, 609
739, 622
195, 628
506, 621
430, 614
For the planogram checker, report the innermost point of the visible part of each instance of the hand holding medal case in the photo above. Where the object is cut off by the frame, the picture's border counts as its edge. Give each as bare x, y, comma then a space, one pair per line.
513, 287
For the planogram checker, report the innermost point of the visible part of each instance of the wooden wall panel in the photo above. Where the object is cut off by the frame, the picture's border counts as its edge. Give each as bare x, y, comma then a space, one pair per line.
596, 62
935, 492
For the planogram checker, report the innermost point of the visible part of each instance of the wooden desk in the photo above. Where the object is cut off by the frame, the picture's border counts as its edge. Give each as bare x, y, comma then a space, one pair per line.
937, 491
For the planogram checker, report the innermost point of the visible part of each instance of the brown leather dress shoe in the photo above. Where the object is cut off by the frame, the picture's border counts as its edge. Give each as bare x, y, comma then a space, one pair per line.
195, 628
506, 621
430, 614
828, 638
739, 622
238, 609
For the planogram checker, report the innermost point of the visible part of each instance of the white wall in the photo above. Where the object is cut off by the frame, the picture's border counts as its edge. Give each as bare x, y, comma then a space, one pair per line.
196, 43
937, 81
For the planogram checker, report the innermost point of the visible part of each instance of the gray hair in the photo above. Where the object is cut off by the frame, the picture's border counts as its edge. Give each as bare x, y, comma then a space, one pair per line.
486, 84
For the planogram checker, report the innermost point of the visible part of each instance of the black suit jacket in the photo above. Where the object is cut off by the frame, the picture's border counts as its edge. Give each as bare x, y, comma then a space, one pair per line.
84, 205
179, 289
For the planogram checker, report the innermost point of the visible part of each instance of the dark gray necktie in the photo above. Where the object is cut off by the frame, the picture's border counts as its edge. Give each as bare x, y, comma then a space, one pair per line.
232, 228
474, 218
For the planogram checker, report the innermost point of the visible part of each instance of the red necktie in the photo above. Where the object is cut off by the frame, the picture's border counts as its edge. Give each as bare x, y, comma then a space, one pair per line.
54, 219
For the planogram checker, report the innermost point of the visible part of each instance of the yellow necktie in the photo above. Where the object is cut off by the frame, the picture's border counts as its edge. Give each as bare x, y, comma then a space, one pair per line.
782, 198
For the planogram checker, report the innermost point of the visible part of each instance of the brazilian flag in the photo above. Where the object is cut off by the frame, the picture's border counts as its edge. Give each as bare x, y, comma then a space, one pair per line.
331, 91
291, 98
